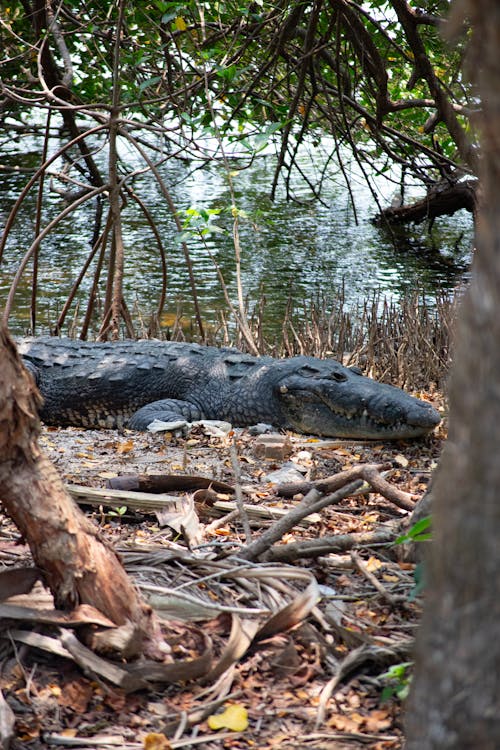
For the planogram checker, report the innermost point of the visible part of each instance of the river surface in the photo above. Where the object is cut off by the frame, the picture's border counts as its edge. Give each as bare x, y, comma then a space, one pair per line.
300, 250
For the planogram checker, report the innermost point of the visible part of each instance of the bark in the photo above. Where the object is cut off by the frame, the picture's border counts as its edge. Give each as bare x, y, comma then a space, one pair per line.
456, 691
76, 565
441, 200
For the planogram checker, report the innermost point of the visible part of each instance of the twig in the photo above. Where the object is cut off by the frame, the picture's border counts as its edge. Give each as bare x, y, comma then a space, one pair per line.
369, 472
328, 544
354, 659
312, 502
222, 521
358, 562
238, 494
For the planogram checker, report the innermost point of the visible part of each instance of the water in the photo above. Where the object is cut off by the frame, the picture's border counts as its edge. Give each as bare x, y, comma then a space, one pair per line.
303, 249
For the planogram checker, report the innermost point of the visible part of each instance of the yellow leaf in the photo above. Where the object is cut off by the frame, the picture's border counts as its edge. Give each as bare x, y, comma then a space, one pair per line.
180, 24
154, 741
235, 718
373, 563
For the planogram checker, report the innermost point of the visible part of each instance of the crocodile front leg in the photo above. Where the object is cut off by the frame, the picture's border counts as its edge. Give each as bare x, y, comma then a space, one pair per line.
170, 413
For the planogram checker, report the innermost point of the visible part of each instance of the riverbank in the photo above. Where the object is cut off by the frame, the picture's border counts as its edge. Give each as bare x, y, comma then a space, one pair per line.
363, 625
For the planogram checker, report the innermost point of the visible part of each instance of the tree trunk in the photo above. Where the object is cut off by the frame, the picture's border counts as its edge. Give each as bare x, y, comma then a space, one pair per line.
455, 699
76, 565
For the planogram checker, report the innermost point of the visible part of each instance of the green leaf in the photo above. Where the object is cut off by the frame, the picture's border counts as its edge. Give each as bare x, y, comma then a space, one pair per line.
419, 532
150, 82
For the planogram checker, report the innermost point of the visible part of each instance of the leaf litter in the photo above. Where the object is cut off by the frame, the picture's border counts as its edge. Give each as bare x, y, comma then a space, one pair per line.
290, 638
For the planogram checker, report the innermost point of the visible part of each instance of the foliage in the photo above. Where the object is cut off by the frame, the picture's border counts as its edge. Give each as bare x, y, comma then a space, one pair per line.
398, 681
203, 81
419, 532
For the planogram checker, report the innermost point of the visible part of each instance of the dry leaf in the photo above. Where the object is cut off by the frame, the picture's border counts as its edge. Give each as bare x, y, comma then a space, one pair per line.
125, 447
377, 721
373, 563
76, 695
222, 532
401, 460
235, 718
155, 741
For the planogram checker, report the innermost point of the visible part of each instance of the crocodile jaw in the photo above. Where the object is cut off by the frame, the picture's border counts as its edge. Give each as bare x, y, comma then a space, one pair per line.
388, 414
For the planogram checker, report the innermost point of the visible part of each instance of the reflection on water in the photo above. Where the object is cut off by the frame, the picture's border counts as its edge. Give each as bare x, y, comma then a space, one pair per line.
305, 250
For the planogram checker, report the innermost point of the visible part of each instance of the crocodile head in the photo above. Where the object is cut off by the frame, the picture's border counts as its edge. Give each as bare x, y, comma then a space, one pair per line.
322, 397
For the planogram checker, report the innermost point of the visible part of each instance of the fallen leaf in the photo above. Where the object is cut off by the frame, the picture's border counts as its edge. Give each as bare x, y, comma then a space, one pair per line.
155, 741
377, 720
401, 460
76, 695
373, 563
125, 447
235, 718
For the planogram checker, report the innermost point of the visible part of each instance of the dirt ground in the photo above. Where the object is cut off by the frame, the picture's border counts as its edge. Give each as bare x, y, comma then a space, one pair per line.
319, 684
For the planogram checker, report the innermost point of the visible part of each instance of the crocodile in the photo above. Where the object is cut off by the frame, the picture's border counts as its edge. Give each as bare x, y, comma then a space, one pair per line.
136, 384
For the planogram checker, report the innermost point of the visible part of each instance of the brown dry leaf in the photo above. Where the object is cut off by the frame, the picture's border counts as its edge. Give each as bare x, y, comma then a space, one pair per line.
342, 452
26, 732
303, 695
155, 741
69, 732
378, 720
343, 581
351, 723
125, 447
278, 740
76, 695
115, 699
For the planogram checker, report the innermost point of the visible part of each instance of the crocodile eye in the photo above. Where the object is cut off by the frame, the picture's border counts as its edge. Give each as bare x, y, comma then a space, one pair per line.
309, 371
338, 376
